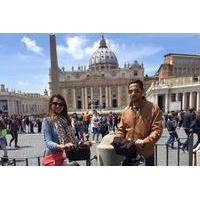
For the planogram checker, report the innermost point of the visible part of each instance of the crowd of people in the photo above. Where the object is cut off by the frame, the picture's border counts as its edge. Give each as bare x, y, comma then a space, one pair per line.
188, 120
94, 125
16, 124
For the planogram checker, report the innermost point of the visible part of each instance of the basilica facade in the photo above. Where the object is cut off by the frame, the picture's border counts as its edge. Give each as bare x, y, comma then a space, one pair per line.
103, 84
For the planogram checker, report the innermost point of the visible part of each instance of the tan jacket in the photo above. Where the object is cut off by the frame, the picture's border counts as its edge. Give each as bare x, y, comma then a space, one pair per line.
145, 124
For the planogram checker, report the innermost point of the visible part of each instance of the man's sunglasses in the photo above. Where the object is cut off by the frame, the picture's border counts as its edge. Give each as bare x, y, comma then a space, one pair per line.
57, 104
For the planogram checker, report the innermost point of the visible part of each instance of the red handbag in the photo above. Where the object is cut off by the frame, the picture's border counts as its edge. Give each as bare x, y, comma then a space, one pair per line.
56, 159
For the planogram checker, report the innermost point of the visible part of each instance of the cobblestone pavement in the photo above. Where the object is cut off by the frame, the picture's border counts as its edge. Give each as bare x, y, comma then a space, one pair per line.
31, 145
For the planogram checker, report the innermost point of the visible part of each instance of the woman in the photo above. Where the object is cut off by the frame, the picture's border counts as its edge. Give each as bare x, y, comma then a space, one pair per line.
58, 134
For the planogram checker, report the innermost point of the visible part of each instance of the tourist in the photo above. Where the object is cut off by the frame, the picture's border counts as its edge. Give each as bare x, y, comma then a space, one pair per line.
141, 122
188, 118
14, 128
58, 133
171, 126
95, 126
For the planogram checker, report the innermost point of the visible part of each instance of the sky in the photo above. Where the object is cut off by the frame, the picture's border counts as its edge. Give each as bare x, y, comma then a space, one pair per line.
25, 60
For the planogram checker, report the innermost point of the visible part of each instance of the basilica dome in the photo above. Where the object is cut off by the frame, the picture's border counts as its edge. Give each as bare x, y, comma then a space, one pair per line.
103, 58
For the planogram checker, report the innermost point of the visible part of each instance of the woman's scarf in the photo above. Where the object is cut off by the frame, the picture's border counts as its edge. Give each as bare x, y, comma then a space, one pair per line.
64, 130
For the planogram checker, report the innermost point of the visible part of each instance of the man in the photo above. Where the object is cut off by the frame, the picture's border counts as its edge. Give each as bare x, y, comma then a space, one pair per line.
141, 122
171, 126
95, 126
188, 119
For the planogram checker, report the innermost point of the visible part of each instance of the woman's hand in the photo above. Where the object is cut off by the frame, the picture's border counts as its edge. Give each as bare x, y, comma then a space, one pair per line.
69, 146
61, 146
88, 143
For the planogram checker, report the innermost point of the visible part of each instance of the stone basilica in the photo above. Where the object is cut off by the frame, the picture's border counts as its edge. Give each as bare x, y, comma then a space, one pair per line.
102, 85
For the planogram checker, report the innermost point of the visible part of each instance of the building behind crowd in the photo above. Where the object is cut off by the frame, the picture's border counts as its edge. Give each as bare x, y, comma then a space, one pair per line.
22, 103
103, 84
178, 84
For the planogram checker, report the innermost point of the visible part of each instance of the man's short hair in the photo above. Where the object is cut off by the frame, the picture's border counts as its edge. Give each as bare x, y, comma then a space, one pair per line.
139, 82
191, 109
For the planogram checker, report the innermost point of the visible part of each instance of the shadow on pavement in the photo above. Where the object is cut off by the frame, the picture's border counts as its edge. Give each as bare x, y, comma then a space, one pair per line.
15, 148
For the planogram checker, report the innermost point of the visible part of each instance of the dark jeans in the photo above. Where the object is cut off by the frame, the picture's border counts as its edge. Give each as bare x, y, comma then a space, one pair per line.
173, 136
171, 139
185, 144
95, 132
149, 161
85, 127
14, 135
115, 126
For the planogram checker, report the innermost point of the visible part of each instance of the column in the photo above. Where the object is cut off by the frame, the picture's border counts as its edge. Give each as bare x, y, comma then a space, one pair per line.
166, 102
119, 96
110, 97
107, 97
191, 100
82, 98
91, 91
176, 97
156, 99
74, 98
20, 107
9, 107
64, 92
198, 100
194, 100
184, 101
100, 95
86, 98
13, 107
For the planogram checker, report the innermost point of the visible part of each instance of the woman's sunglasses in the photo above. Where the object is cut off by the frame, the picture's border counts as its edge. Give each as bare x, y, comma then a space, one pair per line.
57, 104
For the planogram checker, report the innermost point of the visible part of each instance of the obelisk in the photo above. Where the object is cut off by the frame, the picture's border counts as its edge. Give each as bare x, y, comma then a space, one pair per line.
54, 70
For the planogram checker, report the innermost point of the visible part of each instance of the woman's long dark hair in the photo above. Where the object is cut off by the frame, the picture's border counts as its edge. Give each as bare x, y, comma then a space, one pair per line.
64, 113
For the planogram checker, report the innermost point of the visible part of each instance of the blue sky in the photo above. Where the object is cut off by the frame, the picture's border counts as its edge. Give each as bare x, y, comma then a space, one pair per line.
25, 61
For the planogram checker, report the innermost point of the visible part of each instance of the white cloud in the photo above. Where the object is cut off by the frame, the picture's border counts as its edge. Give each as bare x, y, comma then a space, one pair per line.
31, 45
92, 49
115, 47
76, 47
110, 44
